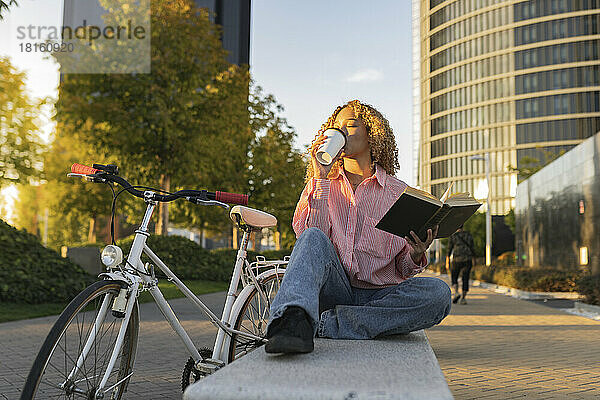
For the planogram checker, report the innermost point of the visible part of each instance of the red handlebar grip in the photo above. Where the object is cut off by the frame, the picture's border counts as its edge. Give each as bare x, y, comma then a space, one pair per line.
83, 169
232, 198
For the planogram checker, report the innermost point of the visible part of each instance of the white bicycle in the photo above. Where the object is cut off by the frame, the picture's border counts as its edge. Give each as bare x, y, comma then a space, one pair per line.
90, 351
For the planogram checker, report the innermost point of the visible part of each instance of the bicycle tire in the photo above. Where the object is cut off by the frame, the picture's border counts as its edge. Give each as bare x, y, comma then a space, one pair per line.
253, 307
60, 350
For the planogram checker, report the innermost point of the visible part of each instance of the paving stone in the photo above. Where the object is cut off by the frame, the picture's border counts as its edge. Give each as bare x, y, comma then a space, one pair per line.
160, 357
524, 349
493, 339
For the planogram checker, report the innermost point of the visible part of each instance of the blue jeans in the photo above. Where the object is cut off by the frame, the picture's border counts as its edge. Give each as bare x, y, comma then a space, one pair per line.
316, 281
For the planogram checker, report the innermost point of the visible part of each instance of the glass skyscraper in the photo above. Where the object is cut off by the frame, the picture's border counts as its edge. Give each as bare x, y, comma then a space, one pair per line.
508, 78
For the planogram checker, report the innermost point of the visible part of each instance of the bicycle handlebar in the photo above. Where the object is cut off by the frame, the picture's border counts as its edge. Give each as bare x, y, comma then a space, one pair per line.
83, 169
191, 195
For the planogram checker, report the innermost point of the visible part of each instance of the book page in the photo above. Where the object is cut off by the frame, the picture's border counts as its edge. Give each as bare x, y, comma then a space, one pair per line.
423, 195
461, 199
446, 193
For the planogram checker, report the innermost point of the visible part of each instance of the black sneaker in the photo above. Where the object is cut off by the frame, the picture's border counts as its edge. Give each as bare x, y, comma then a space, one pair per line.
456, 298
290, 333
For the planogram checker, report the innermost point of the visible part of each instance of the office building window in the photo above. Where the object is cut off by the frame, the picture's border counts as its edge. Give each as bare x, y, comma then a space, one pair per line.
539, 8
557, 54
569, 129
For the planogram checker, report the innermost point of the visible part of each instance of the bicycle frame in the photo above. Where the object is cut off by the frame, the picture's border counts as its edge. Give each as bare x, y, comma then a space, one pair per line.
133, 281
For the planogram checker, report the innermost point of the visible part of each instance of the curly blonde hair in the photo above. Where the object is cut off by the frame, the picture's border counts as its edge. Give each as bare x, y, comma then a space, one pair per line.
382, 142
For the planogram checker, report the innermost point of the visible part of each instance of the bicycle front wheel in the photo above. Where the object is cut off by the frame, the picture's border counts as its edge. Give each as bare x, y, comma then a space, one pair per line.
254, 314
55, 374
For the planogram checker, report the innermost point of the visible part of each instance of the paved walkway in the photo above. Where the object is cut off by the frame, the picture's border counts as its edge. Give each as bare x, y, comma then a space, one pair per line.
160, 357
498, 347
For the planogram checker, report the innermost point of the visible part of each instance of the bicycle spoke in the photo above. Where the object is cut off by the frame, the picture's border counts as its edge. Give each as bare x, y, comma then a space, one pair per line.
66, 356
74, 331
254, 316
57, 370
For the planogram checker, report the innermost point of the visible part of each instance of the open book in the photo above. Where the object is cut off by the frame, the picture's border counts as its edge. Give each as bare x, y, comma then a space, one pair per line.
416, 210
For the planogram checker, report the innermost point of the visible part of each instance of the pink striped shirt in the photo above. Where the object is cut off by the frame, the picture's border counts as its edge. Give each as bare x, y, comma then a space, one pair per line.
371, 257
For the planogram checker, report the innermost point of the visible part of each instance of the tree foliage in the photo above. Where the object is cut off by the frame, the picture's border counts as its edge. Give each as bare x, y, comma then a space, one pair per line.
76, 208
4, 4
509, 220
193, 120
476, 226
20, 146
277, 169
531, 165
169, 126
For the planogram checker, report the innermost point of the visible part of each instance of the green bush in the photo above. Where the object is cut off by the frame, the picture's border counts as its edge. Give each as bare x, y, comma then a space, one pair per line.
542, 279
184, 257
589, 287
483, 273
189, 260
31, 273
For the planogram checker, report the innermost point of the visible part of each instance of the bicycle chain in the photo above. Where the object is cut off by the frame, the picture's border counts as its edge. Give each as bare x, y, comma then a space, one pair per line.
190, 371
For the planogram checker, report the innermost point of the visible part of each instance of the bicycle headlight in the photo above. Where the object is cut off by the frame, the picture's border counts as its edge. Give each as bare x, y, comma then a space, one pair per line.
112, 256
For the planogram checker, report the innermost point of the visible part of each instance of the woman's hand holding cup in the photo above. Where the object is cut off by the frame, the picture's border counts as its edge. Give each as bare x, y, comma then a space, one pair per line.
321, 171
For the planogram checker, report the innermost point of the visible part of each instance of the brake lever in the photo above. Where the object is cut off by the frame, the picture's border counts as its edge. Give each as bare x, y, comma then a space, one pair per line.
201, 202
88, 178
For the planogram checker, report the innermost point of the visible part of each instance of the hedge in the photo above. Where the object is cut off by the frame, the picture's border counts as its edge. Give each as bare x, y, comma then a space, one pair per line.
189, 260
589, 287
31, 273
541, 279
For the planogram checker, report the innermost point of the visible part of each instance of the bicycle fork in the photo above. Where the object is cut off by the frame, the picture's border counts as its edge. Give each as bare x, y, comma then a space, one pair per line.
70, 384
218, 351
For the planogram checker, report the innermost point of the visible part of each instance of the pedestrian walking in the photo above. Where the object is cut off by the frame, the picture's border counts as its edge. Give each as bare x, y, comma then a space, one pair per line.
461, 258
347, 279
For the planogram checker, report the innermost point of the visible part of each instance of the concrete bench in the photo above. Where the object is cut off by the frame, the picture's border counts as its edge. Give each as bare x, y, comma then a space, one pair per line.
395, 367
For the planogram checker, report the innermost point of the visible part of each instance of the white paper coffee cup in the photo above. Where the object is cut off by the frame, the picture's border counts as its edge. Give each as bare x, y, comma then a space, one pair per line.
335, 141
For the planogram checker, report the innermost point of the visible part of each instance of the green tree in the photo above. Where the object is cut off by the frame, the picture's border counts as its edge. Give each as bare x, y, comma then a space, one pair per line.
4, 6
221, 161
531, 165
277, 169
175, 124
509, 220
29, 208
476, 226
271, 171
76, 200
21, 149
74, 206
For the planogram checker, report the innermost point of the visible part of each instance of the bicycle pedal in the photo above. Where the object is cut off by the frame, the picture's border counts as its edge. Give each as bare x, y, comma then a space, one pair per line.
209, 365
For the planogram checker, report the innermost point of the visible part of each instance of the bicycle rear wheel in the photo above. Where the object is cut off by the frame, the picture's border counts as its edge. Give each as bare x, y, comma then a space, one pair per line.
60, 351
254, 315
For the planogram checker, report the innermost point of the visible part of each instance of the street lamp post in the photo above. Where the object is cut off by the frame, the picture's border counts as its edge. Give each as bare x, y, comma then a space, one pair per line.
488, 214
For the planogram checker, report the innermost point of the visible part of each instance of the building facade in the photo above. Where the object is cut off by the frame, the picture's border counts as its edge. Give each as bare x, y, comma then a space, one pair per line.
557, 213
506, 77
234, 17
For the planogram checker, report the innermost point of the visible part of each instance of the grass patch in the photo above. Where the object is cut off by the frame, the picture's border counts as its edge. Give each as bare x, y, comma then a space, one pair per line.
15, 311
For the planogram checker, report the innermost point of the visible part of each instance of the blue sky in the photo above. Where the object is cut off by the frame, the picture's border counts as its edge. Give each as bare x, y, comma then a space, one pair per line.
312, 55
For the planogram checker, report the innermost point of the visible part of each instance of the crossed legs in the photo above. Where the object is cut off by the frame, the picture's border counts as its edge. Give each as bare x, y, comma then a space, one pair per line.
316, 281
